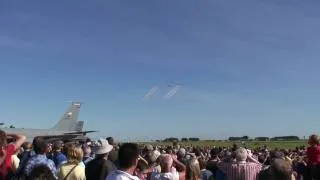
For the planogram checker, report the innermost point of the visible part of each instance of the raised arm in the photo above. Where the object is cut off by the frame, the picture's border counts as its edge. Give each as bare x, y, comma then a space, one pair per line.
180, 167
253, 160
19, 140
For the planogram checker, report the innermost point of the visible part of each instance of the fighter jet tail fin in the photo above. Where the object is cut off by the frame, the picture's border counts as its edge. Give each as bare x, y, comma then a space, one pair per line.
69, 120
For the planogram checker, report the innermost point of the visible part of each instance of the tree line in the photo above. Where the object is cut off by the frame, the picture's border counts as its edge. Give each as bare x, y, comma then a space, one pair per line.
173, 139
242, 138
277, 138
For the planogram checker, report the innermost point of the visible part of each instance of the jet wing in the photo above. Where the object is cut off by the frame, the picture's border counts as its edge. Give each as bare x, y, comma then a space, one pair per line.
79, 132
53, 137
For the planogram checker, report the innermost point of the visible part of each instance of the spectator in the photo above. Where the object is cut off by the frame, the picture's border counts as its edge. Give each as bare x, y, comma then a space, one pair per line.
154, 161
204, 174
41, 148
100, 166
15, 161
193, 169
142, 169
302, 168
24, 158
113, 154
241, 169
313, 153
58, 157
41, 172
128, 160
7, 150
87, 157
281, 169
72, 170
26, 147
167, 169
147, 153
182, 155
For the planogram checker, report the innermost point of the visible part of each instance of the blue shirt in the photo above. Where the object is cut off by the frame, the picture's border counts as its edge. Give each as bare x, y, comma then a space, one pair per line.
25, 156
59, 159
40, 159
220, 175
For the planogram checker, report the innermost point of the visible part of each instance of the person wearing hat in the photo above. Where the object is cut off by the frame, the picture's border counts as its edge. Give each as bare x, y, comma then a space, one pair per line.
100, 166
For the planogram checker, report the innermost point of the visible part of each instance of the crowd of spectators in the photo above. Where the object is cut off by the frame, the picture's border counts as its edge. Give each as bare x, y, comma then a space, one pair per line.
105, 159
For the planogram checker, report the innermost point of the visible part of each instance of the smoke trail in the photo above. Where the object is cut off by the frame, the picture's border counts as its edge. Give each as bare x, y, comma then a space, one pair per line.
150, 93
172, 92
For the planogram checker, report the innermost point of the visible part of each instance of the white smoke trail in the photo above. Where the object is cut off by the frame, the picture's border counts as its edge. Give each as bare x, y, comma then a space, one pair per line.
150, 93
172, 92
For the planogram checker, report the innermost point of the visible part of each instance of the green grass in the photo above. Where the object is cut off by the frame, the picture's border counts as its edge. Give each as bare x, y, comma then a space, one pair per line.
248, 144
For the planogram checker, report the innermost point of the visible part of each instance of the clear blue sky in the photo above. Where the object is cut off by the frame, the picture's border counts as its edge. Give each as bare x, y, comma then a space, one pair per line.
247, 67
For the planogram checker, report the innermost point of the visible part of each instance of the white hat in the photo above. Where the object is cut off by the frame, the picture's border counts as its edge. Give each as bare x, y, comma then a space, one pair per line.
102, 147
154, 155
182, 152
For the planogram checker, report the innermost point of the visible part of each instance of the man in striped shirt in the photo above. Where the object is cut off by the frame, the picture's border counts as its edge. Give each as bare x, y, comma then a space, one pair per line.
245, 167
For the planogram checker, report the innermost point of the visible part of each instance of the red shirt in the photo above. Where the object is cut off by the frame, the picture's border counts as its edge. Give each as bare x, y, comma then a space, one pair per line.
314, 155
6, 166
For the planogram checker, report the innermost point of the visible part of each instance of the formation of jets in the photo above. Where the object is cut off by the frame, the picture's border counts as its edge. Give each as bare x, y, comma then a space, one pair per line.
174, 89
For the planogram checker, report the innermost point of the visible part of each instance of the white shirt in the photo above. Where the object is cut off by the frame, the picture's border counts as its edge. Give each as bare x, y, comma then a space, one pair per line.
173, 175
121, 175
15, 162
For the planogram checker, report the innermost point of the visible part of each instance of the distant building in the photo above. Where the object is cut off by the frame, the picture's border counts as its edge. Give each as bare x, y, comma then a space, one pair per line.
285, 138
262, 139
243, 138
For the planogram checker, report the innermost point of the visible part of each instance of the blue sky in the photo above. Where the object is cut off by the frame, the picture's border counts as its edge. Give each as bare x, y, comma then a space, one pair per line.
247, 67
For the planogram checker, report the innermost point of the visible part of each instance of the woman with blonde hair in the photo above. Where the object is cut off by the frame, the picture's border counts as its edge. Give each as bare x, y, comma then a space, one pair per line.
73, 170
193, 169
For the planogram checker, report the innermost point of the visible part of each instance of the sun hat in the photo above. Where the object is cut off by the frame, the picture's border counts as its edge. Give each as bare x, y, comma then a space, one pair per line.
102, 147
149, 147
154, 155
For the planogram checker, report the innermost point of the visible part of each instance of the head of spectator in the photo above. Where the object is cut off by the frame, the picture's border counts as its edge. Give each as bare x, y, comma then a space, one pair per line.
286, 152
169, 150
314, 140
27, 146
75, 154
88, 142
128, 157
274, 155
3, 141
181, 153
40, 146
148, 149
86, 151
193, 169
197, 152
202, 163
166, 163
66, 146
41, 172
241, 154
102, 148
154, 155
142, 170
111, 141
58, 146
214, 153
261, 158
280, 170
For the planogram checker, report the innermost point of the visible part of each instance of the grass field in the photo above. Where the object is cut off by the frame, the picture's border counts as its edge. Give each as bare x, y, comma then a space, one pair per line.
248, 144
